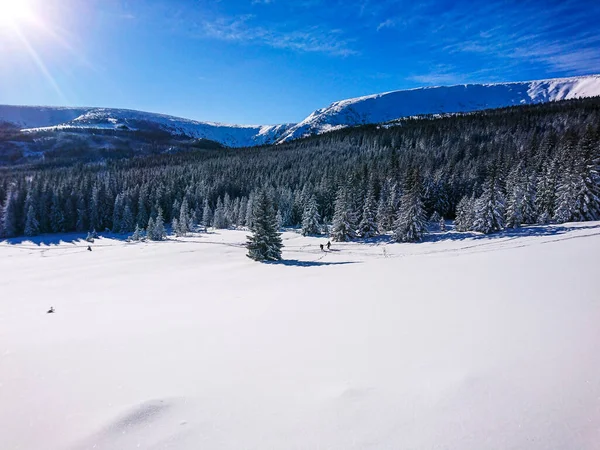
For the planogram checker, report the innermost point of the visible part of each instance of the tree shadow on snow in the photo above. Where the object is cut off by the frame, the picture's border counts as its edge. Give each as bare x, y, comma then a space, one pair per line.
298, 263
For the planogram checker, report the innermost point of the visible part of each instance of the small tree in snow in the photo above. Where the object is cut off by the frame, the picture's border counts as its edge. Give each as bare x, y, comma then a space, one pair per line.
265, 242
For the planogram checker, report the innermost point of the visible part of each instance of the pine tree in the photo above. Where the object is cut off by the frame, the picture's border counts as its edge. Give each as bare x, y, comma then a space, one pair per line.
465, 214
150, 229
442, 224
137, 234
515, 201
220, 219
311, 220
159, 227
32, 226
368, 225
490, 207
343, 226
175, 227
265, 242
411, 224
57, 218
207, 215
127, 221
279, 219
185, 220
9, 227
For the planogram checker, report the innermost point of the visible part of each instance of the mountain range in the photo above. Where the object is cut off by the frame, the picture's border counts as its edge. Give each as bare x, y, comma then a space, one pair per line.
378, 108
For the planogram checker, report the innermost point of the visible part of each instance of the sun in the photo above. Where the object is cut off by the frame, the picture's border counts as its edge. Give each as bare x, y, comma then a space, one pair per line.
14, 13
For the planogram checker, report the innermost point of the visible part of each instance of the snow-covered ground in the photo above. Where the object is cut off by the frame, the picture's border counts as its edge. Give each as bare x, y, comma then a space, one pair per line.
464, 342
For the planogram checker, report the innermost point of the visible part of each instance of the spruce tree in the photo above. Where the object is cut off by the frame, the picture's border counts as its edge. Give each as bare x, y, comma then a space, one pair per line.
207, 215
368, 225
265, 242
490, 207
343, 226
411, 224
311, 220
159, 227
465, 214
32, 226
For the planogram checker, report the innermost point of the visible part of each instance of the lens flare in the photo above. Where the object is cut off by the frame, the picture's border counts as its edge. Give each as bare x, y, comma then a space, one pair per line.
14, 13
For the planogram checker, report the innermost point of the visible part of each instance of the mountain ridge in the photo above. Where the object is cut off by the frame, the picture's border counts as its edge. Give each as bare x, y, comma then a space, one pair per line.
368, 109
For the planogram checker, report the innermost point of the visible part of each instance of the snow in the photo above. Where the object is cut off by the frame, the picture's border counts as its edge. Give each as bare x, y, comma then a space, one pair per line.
394, 105
461, 342
35, 119
369, 109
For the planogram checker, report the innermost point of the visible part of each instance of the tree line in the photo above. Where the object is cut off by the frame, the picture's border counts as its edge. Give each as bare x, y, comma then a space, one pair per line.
488, 171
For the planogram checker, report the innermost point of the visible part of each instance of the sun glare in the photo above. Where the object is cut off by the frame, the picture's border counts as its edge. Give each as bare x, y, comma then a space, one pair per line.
14, 13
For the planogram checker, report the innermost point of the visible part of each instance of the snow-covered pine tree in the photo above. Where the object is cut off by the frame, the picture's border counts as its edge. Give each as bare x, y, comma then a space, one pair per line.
265, 242
279, 219
127, 221
185, 219
117, 213
343, 226
137, 234
311, 220
175, 227
515, 197
545, 202
159, 226
587, 170
465, 214
368, 224
207, 215
220, 218
387, 207
411, 224
150, 229
442, 224
57, 219
32, 226
490, 207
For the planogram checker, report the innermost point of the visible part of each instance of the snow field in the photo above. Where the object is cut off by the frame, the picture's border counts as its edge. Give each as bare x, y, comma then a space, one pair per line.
464, 342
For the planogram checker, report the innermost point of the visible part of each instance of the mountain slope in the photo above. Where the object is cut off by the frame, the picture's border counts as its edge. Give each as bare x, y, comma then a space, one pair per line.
34, 118
435, 100
351, 112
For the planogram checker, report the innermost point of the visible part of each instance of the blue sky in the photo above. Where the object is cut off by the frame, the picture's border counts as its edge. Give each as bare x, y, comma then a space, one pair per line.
271, 61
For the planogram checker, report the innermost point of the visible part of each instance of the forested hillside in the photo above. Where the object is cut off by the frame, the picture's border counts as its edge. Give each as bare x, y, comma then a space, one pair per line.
489, 170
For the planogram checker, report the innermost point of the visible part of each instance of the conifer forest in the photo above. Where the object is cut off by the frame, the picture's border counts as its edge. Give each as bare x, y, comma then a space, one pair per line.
486, 171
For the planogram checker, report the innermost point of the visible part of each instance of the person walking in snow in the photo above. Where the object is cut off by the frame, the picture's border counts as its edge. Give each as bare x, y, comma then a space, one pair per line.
328, 245
89, 248
322, 249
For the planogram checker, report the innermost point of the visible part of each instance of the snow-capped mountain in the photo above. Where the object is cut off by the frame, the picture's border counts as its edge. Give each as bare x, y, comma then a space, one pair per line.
34, 118
435, 100
351, 112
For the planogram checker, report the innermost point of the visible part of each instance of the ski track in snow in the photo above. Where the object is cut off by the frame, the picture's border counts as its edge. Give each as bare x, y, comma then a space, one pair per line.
462, 342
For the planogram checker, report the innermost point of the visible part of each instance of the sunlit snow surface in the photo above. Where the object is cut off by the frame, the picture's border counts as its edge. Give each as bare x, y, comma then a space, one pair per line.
463, 342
